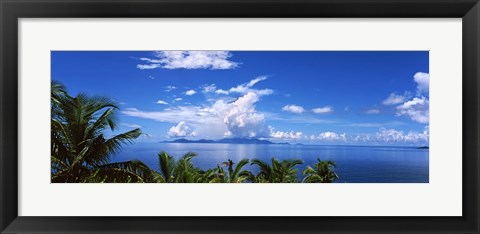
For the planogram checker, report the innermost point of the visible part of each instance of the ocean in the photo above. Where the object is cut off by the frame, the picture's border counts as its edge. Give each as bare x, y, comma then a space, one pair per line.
355, 164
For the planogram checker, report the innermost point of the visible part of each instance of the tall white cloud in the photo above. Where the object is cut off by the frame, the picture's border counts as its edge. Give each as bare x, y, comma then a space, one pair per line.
189, 60
293, 109
221, 118
242, 119
416, 109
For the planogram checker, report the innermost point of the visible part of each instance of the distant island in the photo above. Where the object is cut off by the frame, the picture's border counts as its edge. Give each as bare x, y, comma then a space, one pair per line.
423, 147
227, 141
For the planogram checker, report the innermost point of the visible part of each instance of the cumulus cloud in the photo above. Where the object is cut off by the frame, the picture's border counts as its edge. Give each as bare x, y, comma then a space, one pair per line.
178, 99
423, 82
181, 130
246, 88
292, 135
331, 136
190, 92
293, 108
373, 111
242, 119
219, 119
323, 110
162, 102
395, 136
394, 99
382, 136
416, 109
189, 60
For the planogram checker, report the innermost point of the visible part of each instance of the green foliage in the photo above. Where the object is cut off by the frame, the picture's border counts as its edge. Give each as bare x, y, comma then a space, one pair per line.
277, 172
322, 172
80, 152
235, 174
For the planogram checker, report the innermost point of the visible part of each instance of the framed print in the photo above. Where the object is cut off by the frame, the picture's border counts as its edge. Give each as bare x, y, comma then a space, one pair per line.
226, 116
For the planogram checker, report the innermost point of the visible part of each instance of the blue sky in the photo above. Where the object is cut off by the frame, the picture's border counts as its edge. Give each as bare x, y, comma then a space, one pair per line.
312, 97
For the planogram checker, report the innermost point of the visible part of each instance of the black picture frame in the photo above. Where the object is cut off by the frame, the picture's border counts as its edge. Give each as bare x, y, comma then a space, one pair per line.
12, 10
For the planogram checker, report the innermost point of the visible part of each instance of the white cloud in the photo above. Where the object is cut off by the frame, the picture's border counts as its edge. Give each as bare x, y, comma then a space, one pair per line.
162, 102
221, 118
209, 88
331, 136
394, 99
147, 66
178, 99
390, 135
323, 110
221, 91
189, 60
293, 108
394, 136
242, 119
423, 82
373, 111
190, 92
181, 130
374, 125
169, 88
131, 125
416, 109
292, 135
247, 88
151, 77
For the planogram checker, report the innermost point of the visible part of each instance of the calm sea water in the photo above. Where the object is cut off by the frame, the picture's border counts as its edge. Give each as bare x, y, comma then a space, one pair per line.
355, 164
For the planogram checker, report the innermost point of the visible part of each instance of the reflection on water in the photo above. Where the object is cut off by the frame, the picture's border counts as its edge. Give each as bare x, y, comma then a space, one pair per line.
355, 164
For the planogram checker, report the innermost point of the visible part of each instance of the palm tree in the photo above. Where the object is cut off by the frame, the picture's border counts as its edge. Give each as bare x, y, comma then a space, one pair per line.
277, 172
185, 171
167, 168
181, 171
80, 151
285, 171
57, 91
234, 175
265, 175
321, 173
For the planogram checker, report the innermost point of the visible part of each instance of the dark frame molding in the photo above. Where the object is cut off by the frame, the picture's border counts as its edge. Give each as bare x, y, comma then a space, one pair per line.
12, 10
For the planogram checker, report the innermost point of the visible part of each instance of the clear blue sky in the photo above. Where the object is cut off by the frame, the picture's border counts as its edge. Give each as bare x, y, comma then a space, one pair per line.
315, 97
